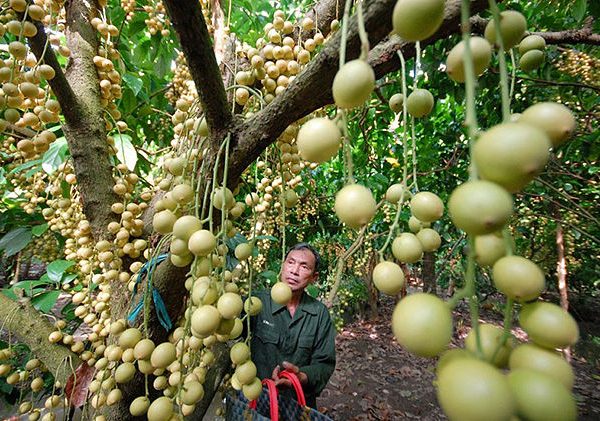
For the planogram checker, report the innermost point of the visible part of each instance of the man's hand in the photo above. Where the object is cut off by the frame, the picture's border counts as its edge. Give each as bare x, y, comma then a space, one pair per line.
282, 381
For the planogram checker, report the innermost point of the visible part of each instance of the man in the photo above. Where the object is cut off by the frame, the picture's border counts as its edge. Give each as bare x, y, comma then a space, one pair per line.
298, 336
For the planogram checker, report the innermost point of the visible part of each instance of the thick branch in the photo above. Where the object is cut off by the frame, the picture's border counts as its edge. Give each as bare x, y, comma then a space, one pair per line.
187, 19
32, 329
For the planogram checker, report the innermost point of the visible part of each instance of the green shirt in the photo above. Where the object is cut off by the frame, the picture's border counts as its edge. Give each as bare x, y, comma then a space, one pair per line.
306, 340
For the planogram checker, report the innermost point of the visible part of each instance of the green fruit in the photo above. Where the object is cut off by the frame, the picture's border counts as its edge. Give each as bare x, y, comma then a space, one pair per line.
281, 293
415, 225
230, 305
124, 373
253, 306
539, 397
472, 390
419, 103
185, 226
427, 206
511, 154
130, 338
181, 261
191, 392
353, 84
480, 207
553, 118
395, 193
548, 325
451, 355
430, 239
318, 140
416, 20
545, 361
396, 103
407, 248
163, 355
481, 53
388, 278
490, 337
246, 372
355, 205
161, 409
182, 193
532, 42
512, 29
422, 323
176, 165
205, 320
531, 60
518, 278
243, 251
489, 248
252, 390
143, 349
239, 353
139, 406
202, 243
163, 221
222, 198
179, 247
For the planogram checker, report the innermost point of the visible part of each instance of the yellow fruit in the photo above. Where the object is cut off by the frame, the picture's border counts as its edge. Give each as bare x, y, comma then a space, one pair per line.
124, 373
427, 206
396, 192
185, 226
318, 140
243, 251
422, 323
163, 355
163, 221
161, 409
222, 198
192, 392
143, 349
388, 278
553, 118
518, 278
246, 372
407, 248
252, 391
396, 103
205, 320
419, 103
512, 28
531, 60
489, 248
253, 306
230, 305
548, 325
415, 225
202, 243
532, 42
481, 53
183, 193
430, 239
139, 406
545, 361
130, 338
489, 338
355, 205
239, 353
353, 84
416, 20
281, 293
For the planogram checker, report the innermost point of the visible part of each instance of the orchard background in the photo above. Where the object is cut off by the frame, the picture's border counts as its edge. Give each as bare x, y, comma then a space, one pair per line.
108, 106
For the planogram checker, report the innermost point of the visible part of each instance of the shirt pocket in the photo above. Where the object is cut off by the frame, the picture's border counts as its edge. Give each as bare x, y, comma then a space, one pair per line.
268, 336
305, 341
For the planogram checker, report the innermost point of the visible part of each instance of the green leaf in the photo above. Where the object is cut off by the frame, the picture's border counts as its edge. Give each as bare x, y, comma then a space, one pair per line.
135, 83
56, 269
55, 155
16, 240
266, 237
45, 301
579, 10
312, 290
25, 166
126, 152
68, 277
38, 230
270, 275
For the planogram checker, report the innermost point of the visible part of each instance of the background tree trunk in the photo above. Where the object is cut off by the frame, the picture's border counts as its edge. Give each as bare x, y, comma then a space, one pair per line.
428, 273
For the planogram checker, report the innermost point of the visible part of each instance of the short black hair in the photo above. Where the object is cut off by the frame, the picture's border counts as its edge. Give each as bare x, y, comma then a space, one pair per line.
306, 246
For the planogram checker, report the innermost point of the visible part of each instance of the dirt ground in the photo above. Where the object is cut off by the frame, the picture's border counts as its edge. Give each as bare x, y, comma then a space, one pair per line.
375, 379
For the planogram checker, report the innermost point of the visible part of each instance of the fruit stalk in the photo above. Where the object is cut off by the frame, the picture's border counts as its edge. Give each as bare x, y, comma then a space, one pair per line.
501, 62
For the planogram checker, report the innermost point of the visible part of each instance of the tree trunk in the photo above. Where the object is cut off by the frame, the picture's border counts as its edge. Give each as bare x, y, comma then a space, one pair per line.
428, 273
561, 264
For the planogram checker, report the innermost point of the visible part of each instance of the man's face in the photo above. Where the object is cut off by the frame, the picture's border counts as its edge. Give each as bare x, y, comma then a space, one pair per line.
298, 270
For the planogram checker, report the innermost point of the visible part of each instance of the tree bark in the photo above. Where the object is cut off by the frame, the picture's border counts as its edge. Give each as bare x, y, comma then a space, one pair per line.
428, 273
561, 262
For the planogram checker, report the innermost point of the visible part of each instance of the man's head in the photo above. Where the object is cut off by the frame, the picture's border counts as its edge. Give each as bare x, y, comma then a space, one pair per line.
300, 267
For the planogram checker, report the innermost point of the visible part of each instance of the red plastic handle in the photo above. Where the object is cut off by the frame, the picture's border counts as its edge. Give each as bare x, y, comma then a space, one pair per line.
291, 376
273, 405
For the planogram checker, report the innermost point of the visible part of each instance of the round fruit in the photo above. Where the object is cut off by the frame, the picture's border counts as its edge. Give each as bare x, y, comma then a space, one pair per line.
183, 193
191, 392
430, 239
416, 20
489, 248
450, 355
253, 306
181, 261
419, 103
422, 323
553, 118
540, 397
130, 338
469, 389
202, 243
407, 248
511, 154
281, 293
143, 349
388, 278
531, 60
396, 103
415, 225
230, 305
518, 278
252, 391
490, 337
185, 226
532, 42
512, 29
543, 360
353, 84
318, 140
481, 53
222, 198
355, 205
124, 373
243, 251
163, 355
548, 325
163, 221
480, 207
239, 353
396, 192
161, 409
427, 206
205, 320
139, 406
246, 372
